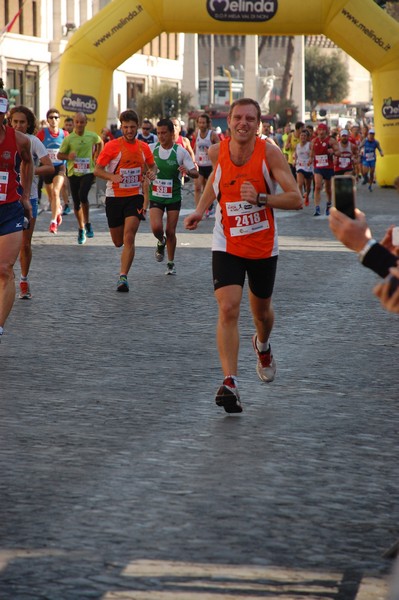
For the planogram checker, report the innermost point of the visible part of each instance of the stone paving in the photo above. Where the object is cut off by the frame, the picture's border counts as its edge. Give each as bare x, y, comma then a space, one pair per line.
120, 478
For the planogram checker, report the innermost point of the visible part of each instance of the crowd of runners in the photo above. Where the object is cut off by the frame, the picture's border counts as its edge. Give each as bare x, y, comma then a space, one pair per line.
239, 178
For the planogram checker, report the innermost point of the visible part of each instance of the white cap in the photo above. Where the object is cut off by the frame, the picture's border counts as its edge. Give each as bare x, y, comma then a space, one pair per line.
344, 132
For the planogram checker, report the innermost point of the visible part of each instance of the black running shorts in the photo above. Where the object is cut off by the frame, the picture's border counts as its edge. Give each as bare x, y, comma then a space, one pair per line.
162, 206
205, 171
229, 269
118, 208
58, 170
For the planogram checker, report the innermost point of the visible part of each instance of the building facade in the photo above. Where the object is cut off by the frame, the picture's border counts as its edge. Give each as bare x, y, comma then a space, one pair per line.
34, 35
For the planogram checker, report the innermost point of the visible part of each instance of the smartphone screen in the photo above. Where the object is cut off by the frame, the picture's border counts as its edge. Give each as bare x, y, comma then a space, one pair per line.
344, 195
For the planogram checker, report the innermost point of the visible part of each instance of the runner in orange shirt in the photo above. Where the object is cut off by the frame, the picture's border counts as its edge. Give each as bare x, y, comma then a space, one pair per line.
245, 172
123, 163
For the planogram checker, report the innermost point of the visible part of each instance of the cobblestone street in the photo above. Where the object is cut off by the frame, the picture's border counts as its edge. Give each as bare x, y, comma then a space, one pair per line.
121, 479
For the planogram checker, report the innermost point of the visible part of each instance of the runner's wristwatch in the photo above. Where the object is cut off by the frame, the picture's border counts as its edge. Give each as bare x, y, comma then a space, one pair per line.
261, 200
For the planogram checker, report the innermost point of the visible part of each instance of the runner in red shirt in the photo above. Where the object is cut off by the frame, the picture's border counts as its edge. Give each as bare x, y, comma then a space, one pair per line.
322, 152
16, 173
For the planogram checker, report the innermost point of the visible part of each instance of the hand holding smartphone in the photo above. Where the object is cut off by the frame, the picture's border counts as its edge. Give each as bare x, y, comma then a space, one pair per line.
343, 194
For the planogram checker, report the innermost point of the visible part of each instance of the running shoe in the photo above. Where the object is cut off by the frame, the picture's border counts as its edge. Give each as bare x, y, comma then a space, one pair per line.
317, 211
24, 290
160, 250
89, 230
67, 210
228, 397
170, 269
123, 285
266, 366
370, 188
53, 227
81, 236
328, 208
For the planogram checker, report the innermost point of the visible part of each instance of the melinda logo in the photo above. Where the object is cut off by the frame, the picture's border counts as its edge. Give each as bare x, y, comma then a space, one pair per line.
242, 10
390, 109
79, 103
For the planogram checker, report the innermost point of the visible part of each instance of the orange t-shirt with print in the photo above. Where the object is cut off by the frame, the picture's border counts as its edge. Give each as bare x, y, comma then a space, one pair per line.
129, 160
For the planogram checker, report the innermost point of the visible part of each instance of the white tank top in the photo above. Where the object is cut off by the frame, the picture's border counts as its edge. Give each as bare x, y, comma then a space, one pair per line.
202, 146
302, 154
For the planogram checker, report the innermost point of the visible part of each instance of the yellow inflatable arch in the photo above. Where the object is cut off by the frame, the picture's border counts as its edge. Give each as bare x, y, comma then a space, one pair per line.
359, 27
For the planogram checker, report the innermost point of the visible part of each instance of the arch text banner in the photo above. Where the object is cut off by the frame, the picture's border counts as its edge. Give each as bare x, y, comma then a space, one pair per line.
360, 27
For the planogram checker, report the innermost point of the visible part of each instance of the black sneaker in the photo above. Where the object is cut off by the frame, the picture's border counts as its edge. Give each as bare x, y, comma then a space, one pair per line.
123, 285
228, 396
160, 250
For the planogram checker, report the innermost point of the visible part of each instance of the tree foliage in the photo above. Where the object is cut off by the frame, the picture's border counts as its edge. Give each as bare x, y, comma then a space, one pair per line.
326, 77
163, 101
391, 6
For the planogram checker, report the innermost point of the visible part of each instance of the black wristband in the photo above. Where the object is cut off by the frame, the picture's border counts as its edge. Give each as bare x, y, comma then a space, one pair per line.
261, 200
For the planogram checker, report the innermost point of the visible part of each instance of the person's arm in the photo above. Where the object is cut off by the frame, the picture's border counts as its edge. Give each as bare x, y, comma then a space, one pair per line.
188, 147
388, 298
214, 138
311, 154
377, 258
355, 234
208, 195
186, 164
334, 148
98, 148
26, 171
380, 149
290, 199
64, 152
45, 168
287, 145
99, 171
150, 168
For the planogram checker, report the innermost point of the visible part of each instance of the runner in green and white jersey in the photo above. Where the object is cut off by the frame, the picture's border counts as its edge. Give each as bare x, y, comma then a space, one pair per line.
173, 162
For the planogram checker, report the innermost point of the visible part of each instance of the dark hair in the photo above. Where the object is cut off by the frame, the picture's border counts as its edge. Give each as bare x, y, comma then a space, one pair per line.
30, 117
243, 102
166, 123
299, 125
147, 121
51, 110
68, 120
129, 115
3, 93
204, 116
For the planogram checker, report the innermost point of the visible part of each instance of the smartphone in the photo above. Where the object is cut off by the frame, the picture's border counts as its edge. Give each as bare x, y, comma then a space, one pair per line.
343, 194
395, 236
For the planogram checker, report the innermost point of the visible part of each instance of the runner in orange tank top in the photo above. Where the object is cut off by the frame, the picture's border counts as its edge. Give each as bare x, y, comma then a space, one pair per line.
245, 172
